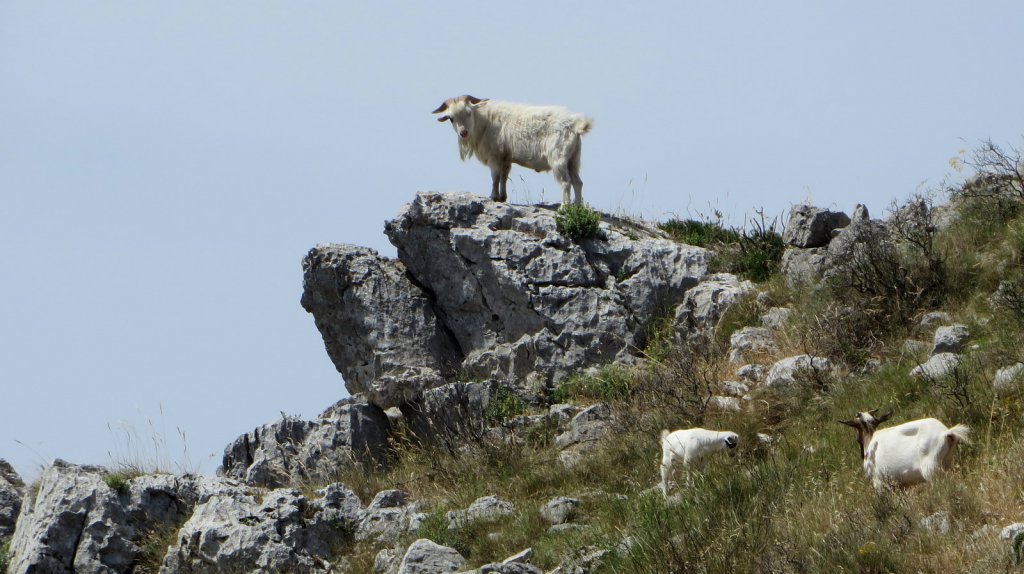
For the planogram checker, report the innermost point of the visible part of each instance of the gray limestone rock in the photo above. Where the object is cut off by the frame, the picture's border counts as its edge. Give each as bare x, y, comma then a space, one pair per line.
935, 319
1007, 376
279, 531
559, 510
426, 557
387, 518
803, 266
292, 450
937, 366
704, 304
490, 290
752, 373
950, 339
483, 508
78, 522
380, 329
788, 370
585, 431
810, 226
451, 412
776, 317
12, 489
749, 342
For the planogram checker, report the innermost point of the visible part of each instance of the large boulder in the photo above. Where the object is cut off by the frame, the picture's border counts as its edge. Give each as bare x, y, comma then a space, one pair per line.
378, 326
11, 491
291, 450
426, 557
489, 290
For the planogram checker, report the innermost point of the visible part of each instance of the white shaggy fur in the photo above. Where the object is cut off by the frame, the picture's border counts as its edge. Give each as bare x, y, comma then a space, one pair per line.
499, 134
906, 454
689, 445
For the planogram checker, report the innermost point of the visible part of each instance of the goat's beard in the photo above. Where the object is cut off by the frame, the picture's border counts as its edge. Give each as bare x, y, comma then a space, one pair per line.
465, 150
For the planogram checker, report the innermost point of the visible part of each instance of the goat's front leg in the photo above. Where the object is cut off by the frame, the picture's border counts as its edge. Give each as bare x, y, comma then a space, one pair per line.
502, 191
497, 184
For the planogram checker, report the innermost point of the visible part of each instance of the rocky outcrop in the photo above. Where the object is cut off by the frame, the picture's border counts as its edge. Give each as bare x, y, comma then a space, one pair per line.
292, 450
11, 491
78, 522
584, 434
491, 290
810, 226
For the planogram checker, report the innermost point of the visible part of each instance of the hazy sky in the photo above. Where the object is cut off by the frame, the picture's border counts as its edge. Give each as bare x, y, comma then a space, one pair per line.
164, 166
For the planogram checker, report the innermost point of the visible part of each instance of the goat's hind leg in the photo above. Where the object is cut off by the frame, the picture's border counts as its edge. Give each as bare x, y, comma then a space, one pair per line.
564, 180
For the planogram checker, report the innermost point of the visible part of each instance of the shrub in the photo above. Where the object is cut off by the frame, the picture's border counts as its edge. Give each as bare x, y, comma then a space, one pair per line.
503, 404
578, 222
699, 233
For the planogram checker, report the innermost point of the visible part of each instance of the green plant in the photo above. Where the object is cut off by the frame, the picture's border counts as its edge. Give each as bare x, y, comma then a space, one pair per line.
118, 480
700, 233
755, 253
578, 222
5, 549
608, 383
503, 404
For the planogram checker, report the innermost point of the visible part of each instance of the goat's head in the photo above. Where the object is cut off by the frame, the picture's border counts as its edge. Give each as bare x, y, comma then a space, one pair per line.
865, 424
459, 111
730, 439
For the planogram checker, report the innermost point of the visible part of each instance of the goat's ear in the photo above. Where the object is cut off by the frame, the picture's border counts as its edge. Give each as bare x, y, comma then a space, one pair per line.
884, 417
443, 119
441, 108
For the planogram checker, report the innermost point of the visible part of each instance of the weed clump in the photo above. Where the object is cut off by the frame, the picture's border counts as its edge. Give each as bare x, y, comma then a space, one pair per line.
578, 222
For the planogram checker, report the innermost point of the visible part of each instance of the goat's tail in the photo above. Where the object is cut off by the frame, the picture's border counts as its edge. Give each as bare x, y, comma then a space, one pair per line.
583, 125
959, 433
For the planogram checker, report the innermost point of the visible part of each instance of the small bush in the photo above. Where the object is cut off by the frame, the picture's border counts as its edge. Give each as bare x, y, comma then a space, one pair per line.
578, 222
503, 404
118, 481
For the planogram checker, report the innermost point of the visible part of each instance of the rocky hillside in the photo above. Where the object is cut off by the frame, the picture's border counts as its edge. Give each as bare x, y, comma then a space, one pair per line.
508, 384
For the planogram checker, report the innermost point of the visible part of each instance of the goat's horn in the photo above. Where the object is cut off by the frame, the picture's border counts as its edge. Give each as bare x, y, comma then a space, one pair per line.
850, 423
441, 108
474, 100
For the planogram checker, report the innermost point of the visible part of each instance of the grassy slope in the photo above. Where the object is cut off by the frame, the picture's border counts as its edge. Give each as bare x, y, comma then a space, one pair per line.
799, 505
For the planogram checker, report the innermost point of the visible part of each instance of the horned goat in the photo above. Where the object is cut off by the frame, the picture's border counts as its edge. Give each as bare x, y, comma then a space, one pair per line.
906, 454
689, 445
499, 134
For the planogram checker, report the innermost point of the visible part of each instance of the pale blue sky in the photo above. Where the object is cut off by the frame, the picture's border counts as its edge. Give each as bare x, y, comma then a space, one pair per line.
164, 166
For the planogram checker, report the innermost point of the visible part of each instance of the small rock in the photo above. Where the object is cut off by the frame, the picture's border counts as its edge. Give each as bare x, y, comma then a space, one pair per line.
950, 339
426, 557
389, 499
725, 404
735, 388
1006, 376
483, 508
559, 510
567, 527
386, 560
937, 366
750, 341
776, 317
786, 371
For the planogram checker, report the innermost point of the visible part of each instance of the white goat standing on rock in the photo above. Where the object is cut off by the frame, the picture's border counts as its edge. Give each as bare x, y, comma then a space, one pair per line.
906, 454
689, 445
499, 134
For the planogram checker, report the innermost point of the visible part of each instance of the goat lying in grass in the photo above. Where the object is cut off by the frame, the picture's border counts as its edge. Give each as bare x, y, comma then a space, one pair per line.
689, 445
906, 454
